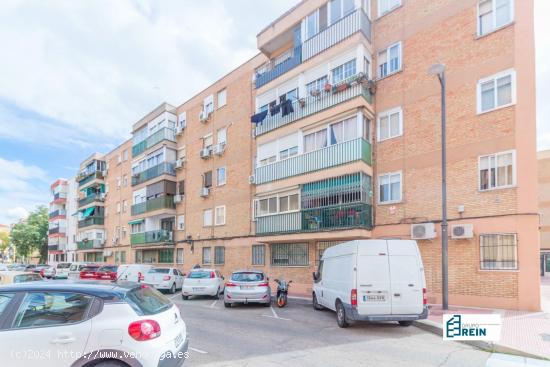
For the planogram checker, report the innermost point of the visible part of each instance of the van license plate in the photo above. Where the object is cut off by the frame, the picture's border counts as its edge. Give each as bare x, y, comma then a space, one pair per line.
178, 340
374, 298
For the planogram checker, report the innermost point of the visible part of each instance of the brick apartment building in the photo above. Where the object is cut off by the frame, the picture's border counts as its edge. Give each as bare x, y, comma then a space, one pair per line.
344, 143
544, 210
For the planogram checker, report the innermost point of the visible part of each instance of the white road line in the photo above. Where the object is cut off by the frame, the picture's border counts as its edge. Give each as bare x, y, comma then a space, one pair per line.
213, 304
274, 313
198, 350
277, 318
175, 295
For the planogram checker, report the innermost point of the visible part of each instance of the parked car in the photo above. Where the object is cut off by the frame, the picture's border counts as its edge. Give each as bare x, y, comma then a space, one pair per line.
203, 282
75, 269
9, 277
164, 279
89, 272
38, 267
83, 324
248, 286
107, 272
62, 271
4, 267
372, 280
133, 272
46, 271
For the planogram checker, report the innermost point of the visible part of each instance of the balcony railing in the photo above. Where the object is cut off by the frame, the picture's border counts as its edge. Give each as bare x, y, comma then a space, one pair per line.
155, 171
55, 230
281, 68
91, 221
355, 86
161, 202
59, 195
60, 242
337, 32
53, 247
159, 236
83, 180
153, 139
91, 198
90, 244
57, 213
333, 155
336, 217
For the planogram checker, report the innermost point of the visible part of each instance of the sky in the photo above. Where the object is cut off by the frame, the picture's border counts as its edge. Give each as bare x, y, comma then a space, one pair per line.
77, 74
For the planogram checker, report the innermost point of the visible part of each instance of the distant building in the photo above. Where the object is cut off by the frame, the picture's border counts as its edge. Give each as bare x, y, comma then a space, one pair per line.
544, 210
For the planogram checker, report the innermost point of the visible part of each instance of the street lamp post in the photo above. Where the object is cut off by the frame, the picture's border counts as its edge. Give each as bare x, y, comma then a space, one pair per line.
439, 70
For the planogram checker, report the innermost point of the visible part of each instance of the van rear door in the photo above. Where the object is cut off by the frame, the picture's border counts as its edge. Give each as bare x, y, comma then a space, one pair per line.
406, 277
373, 278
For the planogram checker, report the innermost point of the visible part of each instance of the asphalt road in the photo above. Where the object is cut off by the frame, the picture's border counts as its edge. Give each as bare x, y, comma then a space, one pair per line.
254, 335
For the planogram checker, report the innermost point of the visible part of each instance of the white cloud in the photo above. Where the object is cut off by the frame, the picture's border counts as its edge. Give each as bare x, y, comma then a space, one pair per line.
15, 214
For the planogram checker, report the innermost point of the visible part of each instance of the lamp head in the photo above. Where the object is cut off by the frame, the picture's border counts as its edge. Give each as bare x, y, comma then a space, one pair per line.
437, 69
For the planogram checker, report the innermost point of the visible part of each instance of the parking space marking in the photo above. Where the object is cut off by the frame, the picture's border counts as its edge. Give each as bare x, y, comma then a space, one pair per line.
276, 318
213, 304
175, 295
198, 350
274, 313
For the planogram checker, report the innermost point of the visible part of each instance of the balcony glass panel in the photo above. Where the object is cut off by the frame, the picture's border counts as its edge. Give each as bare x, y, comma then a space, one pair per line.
281, 68
58, 212
83, 180
155, 171
153, 139
161, 202
90, 199
91, 221
159, 236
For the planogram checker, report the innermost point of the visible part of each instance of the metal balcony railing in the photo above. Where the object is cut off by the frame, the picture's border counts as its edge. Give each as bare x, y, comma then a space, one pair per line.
153, 139
59, 195
155, 171
90, 244
91, 221
57, 213
161, 202
84, 179
90, 199
281, 68
159, 236
55, 230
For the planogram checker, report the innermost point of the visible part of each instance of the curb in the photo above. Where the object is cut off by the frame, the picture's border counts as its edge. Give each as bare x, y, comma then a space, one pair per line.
435, 328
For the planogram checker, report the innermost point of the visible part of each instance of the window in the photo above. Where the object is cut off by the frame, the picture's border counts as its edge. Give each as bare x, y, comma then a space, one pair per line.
494, 14
289, 203
51, 308
207, 217
124, 206
125, 155
389, 60
266, 206
314, 141
312, 24
385, 6
118, 207
182, 120
5, 299
340, 8
207, 141
181, 222
219, 255
206, 259
220, 174
343, 71
390, 124
498, 251
258, 254
208, 104
321, 247
207, 178
166, 256
287, 153
118, 182
125, 180
389, 187
496, 91
222, 135
181, 187
222, 98
343, 131
497, 171
220, 215
268, 160
316, 86
179, 256
290, 254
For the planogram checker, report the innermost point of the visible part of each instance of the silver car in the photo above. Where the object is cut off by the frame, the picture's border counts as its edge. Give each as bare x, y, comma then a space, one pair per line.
247, 286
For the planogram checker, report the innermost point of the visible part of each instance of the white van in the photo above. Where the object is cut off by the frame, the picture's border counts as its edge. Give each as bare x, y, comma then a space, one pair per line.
75, 269
133, 272
372, 280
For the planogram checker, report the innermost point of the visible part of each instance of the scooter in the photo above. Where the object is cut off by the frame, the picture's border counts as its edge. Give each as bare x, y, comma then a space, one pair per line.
282, 292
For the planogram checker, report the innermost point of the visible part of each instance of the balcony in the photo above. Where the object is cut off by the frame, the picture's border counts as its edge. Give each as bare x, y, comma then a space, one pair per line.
56, 230
90, 199
336, 33
158, 237
155, 138
162, 202
91, 221
59, 196
344, 91
281, 68
333, 155
90, 244
155, 171
336, 217
84, 179
57, 213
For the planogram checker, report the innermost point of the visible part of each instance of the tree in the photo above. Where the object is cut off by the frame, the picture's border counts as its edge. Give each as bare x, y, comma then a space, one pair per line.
32, 234
4, 242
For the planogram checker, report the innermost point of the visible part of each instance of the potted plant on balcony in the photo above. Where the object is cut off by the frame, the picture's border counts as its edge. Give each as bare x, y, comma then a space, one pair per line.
328, 87
341, 87
302, 102
315, 93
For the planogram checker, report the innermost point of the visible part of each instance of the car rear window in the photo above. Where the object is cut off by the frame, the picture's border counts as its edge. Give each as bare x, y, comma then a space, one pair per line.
198, 274
159, 271
247, 277
63, 265
21, 278
90, 268
5, 299
108, 268
147, 301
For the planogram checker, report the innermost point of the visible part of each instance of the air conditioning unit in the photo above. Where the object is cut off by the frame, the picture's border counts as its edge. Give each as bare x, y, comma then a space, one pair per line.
104, 173
219, 148
205, 191
251, 179
205, 153
107, 253
423, 231
178, 199
180, 163
204, 116
102, 196
179, 130
460, 231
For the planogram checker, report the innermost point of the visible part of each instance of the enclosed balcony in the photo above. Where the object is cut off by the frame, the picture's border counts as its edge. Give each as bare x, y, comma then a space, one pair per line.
156, 237
91, 221
90, 244
98, 196
155, 171
153, 139
84, 179
275, 69
161, 202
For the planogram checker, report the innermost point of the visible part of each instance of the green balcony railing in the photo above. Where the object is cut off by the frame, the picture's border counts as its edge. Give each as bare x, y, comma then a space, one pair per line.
90, 244
358, 215
83, 180
159, 236
90, 199
56, 213
333, 155
153, 139
91, 221
162, 202
354, 86
155, 171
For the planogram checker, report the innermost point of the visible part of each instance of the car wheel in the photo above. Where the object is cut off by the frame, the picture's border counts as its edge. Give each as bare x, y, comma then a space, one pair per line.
405, 323
227, 304
218, 294
341, 315
316, 305
110, 363
185, 297
173, 288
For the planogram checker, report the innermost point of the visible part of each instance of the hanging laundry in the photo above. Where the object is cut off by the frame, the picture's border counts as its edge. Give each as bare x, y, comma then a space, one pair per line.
259, 117
275, 109
286, 107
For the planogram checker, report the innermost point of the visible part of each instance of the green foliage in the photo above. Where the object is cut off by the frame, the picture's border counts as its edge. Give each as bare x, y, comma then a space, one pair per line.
4, 241
32, 234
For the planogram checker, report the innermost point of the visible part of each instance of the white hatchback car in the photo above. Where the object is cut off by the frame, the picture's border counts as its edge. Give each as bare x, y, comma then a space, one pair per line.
83, 324
203, 282
169, 279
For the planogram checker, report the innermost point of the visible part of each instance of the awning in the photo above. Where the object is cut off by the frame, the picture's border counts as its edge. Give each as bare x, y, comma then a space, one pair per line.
88, 211
137, 221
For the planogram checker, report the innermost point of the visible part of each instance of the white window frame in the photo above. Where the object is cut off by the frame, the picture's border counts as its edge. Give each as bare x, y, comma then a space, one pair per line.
400, 173
182, 120
388, 60
389, 10
494, 78
208, 104
494, 18
218, 182
496, 155
221, 98
181, 222
221, 135
387, 114
277, 196
221, 207
204, 217
178, 251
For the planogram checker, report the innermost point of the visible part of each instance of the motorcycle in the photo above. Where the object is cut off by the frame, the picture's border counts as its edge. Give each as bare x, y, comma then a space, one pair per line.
282, 292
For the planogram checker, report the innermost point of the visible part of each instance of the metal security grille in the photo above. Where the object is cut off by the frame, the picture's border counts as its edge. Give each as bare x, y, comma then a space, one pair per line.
258, 254
290, 254
219, 255
498, 251
166, 256
206, 255
322, 246
353, 188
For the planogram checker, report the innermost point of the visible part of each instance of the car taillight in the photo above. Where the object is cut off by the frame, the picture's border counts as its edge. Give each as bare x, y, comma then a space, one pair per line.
42, 272
212, 274
263, 284
166, 277
144, 330
354, 298
140, 277
424, 296
229, 284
